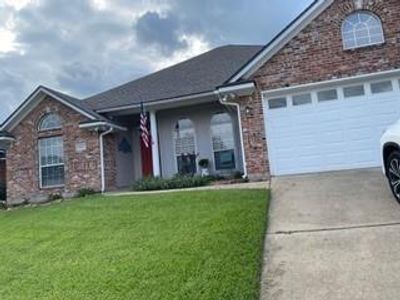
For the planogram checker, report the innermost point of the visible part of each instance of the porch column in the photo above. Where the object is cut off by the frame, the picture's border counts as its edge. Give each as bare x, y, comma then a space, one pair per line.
155, 146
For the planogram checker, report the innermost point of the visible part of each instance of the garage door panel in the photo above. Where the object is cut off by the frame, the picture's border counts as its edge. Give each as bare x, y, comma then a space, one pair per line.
335, 135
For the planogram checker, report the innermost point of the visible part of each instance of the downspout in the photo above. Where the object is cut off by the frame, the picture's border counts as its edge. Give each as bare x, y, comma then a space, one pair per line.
101, 141
224, 101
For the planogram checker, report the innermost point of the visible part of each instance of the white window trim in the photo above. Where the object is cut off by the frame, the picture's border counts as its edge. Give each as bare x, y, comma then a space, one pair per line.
235, 151
51, 128
381, 81
174, 144
363, 84
364, 45
371, 77
47, 166
315, 88
291, 103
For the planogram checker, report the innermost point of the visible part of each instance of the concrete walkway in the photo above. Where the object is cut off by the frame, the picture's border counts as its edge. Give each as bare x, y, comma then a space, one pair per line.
332, 236
250, 185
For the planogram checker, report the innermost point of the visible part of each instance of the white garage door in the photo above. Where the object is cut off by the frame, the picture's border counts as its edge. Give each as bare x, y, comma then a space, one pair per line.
330, 128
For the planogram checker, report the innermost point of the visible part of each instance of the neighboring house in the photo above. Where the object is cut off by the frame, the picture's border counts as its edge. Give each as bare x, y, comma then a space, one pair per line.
316, 98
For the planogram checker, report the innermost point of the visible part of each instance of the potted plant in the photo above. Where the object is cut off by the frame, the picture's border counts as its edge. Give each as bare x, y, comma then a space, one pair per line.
203, 164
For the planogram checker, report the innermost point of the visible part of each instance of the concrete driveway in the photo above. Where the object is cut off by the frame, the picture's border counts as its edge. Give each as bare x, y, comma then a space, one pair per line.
332, 236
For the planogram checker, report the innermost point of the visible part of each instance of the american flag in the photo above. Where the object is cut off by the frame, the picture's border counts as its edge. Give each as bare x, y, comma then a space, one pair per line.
144, 128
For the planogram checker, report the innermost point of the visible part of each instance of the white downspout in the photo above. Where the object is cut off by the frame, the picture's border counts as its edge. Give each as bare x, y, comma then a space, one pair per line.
101, 141
223, 101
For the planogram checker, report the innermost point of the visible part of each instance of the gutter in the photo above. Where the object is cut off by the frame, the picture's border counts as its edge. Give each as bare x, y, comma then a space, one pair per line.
224, 101
101, 142
156, 102
230, 92
98, 124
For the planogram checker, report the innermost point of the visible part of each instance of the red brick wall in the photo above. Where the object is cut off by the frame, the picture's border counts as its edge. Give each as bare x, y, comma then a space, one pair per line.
254, 138
110, 163
81, 169
317, 54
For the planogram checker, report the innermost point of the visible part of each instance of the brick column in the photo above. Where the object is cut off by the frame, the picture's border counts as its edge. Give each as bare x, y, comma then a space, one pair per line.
251, 111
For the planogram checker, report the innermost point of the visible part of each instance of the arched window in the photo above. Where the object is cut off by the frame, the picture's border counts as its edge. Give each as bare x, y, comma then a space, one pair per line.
50, 121
223, 141
185, 146
362, 29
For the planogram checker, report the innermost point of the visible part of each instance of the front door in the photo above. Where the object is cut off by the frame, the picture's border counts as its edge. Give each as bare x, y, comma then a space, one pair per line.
2, 177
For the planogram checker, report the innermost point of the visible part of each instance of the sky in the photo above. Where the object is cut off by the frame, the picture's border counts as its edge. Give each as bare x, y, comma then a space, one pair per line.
83, 47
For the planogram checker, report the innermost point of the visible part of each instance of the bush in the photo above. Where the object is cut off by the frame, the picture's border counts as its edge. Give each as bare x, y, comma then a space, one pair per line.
176, 182
203, 163
3, 194
84, 192
238, 175
54, 197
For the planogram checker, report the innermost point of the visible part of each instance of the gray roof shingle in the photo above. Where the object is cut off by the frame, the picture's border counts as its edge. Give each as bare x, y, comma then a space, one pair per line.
76, 102
197, 75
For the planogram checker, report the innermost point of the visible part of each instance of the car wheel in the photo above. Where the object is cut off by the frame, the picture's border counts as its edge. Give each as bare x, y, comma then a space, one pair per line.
393, 173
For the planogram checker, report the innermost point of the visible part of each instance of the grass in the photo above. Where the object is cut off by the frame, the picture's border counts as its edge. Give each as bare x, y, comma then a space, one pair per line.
192, 245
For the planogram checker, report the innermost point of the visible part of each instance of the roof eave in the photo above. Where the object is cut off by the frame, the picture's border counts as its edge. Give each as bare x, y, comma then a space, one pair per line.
101, 125
237, 90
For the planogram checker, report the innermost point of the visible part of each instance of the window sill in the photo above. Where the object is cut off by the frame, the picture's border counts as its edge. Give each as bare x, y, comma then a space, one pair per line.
367, 47
53, 187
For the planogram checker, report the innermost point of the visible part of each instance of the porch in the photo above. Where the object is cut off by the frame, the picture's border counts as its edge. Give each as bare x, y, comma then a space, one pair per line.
181, 137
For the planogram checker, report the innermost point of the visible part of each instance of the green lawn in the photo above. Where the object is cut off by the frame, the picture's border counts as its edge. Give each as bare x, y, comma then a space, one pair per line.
194, 245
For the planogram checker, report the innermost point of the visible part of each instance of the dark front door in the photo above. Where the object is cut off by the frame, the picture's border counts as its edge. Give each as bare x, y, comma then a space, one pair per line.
2, 179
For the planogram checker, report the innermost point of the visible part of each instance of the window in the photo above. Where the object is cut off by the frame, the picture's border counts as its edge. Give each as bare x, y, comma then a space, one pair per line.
277, 103
50, 121
381, 87
362, 29
301, 99
51, 162
223, 141
185, 147
327, 95
354, 91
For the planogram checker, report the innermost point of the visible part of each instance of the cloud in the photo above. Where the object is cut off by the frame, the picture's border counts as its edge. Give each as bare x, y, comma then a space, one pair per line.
162, 32
85, 46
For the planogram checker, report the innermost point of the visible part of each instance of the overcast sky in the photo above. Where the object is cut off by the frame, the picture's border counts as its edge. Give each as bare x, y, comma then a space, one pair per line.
83, 47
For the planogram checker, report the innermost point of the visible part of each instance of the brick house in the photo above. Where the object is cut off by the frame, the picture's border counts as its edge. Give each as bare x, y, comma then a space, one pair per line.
316, 98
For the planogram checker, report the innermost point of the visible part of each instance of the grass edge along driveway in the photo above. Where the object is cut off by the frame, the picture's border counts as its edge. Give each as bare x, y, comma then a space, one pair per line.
190, 245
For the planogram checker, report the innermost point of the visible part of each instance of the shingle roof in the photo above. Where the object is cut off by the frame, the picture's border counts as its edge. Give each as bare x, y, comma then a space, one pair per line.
200, 74
76, 102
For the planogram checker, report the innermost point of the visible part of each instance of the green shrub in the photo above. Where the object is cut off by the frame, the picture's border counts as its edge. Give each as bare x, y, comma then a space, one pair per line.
3, 194
84, 192
54, 197
203, 163
176, 182
238, 175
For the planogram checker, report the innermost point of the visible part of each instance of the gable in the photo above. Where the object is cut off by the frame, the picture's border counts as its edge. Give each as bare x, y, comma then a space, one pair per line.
30, 121
298, 24
316, 53
34, 100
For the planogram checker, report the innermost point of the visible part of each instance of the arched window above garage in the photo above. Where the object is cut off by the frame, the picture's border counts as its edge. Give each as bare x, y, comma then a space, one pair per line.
361, 29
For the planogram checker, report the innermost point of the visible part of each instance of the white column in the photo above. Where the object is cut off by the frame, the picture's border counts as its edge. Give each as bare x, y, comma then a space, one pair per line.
155, 146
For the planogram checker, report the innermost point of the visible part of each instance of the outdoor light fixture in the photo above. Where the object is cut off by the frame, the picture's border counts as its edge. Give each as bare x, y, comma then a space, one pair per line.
248, 110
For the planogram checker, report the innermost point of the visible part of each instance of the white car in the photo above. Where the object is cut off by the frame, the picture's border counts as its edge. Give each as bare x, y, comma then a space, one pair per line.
390, 146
